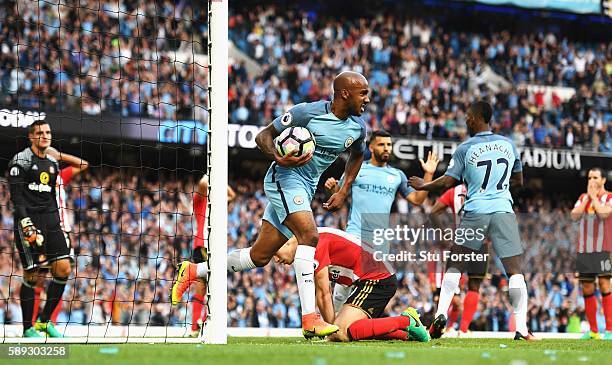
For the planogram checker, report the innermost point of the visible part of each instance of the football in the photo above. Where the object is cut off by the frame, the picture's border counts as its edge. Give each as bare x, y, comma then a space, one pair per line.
295, 138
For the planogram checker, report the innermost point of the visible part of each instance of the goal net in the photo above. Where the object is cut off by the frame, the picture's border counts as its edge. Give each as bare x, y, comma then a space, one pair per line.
137, 92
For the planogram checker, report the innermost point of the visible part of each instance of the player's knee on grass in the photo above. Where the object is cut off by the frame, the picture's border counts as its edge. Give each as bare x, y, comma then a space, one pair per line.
474, 283
340, 336
61, 269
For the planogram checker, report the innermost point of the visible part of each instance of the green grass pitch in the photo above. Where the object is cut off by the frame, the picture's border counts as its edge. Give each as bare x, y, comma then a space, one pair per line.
295, 351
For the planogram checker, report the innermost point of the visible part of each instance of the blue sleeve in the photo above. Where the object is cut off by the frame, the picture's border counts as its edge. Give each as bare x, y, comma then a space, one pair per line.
518, 165
298, 116
457, 163
360, 144
403, 188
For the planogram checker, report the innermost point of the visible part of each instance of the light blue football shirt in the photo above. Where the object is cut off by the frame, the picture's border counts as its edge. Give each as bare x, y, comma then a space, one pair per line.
485, 163
332, 135
372, 195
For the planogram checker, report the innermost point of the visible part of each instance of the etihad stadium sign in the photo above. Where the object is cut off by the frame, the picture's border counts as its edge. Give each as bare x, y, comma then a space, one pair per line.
558, 159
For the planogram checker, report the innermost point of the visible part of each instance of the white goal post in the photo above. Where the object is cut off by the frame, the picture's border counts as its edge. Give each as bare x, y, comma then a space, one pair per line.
215, 331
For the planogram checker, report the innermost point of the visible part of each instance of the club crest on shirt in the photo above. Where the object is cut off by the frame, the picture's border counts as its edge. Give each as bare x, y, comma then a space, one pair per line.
298, 200
348, 142
286, 119
44, 178
335, 274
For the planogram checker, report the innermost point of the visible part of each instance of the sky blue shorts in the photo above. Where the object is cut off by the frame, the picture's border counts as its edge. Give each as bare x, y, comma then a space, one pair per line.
501, 228
285, 196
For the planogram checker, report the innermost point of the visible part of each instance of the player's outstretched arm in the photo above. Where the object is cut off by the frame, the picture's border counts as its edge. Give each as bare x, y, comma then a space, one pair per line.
324, 296
78, 164
429, 168
265, 142
442, 183
351, 170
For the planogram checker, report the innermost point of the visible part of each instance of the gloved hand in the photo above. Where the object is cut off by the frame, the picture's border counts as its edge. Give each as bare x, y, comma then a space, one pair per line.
31, 235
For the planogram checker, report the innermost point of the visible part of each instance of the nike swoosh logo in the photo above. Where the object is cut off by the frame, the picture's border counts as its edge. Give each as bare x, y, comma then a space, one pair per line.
317, 135
307, 274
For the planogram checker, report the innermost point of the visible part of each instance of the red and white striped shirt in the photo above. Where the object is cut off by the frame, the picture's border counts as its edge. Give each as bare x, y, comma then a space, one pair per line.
63, 179
595, 234
347, 261
454, 198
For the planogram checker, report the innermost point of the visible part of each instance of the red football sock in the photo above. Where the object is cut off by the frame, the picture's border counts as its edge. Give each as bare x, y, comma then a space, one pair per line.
367, 328
56, 311
37, 291
196, 311
396, 335
470, 304
453, 315
590, 309
606, 300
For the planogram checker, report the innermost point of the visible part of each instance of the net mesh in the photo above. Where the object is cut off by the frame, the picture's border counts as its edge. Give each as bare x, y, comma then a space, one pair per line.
123, 85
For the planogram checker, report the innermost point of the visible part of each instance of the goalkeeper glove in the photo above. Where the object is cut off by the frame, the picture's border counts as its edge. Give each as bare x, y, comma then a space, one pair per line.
30, 233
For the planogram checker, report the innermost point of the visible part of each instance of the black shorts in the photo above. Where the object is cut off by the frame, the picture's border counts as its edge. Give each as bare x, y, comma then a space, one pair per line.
199, 255
372, 296
591, 265
56, 244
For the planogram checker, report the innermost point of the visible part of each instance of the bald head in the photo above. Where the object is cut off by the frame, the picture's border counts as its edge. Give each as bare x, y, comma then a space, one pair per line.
348, 80
350, 94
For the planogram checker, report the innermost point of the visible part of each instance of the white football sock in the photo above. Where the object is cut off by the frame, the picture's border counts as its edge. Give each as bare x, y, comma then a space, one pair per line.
517, 289
304, 275
240, 260
202, 270
450, 283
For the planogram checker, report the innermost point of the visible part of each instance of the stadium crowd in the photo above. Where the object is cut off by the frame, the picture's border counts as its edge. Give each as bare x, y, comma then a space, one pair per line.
129, 232
101, 56
122, 57
423, 74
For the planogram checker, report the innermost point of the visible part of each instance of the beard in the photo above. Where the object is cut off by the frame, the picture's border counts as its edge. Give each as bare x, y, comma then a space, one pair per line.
381, 158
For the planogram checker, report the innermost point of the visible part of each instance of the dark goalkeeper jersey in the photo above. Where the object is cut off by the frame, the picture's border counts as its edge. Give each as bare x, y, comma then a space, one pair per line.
32, 182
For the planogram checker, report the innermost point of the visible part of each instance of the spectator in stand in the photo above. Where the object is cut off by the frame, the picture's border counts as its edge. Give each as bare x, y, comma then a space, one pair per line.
424, 73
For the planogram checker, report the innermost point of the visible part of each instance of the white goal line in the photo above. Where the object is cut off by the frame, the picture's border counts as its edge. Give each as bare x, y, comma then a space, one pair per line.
158, 334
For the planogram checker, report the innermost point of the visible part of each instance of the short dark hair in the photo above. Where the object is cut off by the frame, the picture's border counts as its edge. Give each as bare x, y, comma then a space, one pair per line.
378, 133
32, 126
482, 109
601, 171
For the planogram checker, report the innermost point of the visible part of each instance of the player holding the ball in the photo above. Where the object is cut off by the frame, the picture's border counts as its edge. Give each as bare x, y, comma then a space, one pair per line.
290, 184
